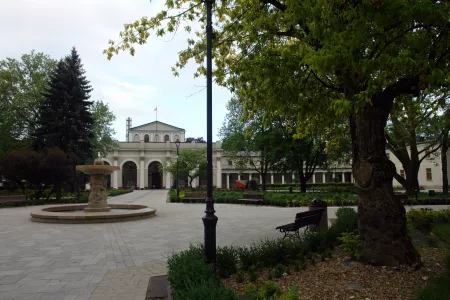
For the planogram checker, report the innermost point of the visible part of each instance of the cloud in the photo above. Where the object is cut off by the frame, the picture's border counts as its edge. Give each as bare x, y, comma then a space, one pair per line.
132, 86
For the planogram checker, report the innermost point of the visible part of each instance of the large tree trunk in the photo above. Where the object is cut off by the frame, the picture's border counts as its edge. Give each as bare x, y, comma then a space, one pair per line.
263, 182
444, 163
303, 184
381, 217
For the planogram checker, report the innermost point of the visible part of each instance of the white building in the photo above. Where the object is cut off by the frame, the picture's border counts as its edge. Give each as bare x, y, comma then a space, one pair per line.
152, 145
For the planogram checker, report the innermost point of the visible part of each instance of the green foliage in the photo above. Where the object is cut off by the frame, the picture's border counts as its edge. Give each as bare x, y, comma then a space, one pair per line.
278, 271
191, 278
442, 231
227, 259
102, 129
293, 294
191, 163
425, 219
252, 275
240, 276
351, 243
270, 289
65, 121
21, 85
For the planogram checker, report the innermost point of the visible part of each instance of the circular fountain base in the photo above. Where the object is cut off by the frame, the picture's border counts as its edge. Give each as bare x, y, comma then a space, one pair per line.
100, 209
76, 213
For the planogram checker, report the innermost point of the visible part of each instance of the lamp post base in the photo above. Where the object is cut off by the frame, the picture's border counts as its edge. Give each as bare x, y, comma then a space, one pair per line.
210, 223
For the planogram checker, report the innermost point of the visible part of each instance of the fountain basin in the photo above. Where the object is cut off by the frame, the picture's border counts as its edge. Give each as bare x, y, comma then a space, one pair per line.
76, 213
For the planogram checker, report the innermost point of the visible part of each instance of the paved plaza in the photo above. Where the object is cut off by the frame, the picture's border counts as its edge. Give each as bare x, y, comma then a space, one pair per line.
116, 261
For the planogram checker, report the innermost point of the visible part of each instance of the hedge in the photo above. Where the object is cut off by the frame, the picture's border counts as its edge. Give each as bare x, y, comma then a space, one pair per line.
303, 199
68, 199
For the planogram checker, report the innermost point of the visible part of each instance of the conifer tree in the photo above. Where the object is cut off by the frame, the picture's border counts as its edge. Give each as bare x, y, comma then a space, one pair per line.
65, 121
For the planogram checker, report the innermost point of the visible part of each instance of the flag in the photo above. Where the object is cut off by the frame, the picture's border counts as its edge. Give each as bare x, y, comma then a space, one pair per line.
156, 108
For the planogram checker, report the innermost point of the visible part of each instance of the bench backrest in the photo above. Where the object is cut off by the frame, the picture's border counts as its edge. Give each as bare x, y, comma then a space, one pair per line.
254, 196
13, 198
309, 217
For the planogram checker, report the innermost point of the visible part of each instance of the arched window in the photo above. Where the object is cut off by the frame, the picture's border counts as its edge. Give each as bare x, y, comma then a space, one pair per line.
177, 137
156, 138
136, 138
166, 138
146, 138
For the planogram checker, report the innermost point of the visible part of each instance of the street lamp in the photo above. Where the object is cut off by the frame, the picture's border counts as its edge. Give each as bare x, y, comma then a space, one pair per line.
210, 219
177, 143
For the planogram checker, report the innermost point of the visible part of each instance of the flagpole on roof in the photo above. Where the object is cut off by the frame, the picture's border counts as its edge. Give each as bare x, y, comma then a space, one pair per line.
156, 110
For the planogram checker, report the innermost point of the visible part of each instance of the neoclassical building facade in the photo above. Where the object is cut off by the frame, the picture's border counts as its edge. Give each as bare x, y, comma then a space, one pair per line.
151, 146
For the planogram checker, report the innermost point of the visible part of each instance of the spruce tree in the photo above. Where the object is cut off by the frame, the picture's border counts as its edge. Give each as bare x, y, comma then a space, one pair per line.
65, 121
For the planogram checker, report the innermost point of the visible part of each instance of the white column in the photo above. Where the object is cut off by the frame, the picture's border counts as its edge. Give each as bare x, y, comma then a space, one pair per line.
334, 176
239, 176
228, 181
219, 174
343, 176
351, 177
168, 180
282, 179
115, 176
141, 173
293, 178
324, 177
260, 179
250, 176
314, 177
271, 178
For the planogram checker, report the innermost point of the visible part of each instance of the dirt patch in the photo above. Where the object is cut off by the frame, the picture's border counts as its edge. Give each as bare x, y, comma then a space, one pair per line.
339, 278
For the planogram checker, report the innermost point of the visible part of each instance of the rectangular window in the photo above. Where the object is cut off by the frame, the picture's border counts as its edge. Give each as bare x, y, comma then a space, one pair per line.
402, 173
230, 163
429, 175
387, 154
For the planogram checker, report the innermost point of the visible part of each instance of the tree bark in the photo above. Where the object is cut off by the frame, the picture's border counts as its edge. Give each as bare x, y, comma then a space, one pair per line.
444, 163
302, 184
381, 217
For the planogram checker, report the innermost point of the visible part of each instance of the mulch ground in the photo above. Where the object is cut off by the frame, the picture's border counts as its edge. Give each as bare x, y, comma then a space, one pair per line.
332, 279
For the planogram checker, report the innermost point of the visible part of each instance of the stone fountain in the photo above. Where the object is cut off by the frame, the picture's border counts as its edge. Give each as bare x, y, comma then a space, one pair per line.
97, 210
97, 196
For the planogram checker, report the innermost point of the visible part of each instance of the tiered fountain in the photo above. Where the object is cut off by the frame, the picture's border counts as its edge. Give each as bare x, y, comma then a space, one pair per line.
97, 210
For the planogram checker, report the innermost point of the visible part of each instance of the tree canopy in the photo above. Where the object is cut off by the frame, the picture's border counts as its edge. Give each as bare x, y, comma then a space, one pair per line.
328, 60
21, 85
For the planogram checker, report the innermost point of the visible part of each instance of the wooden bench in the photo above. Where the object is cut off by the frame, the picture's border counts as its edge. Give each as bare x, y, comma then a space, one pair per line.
303, 219
13, 199
253, 199
194, 198
403, 198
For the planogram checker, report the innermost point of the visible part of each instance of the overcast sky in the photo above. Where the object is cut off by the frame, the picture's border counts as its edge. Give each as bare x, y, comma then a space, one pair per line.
132, 86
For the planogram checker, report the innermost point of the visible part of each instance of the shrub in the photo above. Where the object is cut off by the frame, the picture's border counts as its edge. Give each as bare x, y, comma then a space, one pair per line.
226, 259
350, 242
191, 278
250, 290
347, 220
278, 271
252, 275
293, 294
270, 289
424, 219
208, 290
443, 232
240, 277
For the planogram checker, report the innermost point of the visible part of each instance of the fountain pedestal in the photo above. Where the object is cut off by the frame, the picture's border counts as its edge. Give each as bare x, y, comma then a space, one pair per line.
97, 196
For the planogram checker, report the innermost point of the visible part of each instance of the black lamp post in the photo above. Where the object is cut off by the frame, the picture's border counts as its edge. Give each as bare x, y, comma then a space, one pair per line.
177, 143
210, 219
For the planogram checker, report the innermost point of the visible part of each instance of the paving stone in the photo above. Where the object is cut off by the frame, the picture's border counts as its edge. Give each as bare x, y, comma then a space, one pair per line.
120, 256
11, 279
